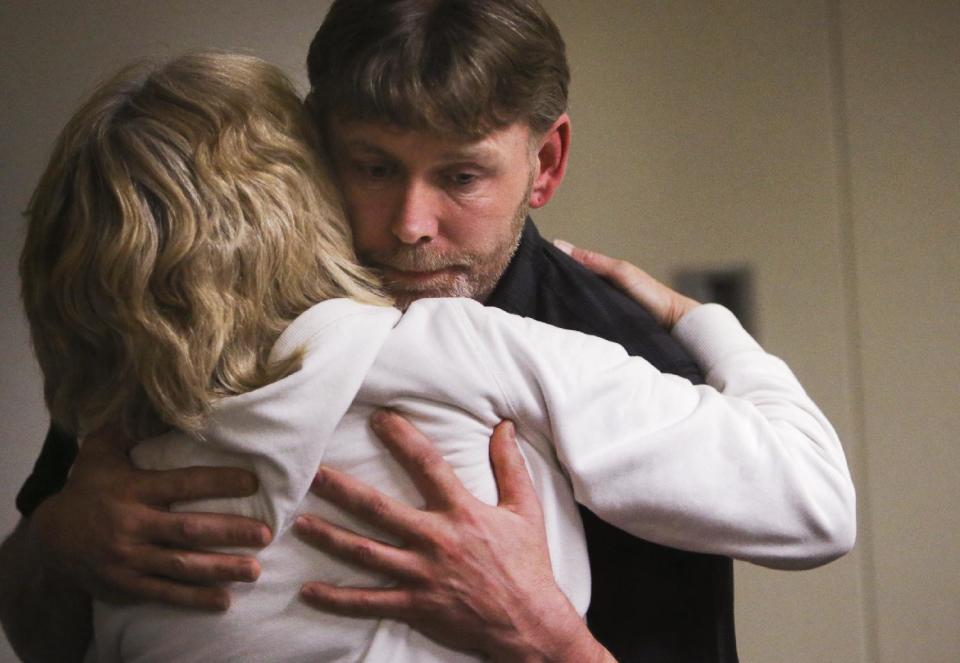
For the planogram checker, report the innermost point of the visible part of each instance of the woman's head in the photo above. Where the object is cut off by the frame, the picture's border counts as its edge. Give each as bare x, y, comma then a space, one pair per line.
183, 221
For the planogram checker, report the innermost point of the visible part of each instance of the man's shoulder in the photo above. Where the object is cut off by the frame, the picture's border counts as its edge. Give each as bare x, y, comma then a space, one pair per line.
544, 283
50, 471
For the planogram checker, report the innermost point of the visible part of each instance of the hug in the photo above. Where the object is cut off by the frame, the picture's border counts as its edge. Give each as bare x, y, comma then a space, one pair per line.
319, 347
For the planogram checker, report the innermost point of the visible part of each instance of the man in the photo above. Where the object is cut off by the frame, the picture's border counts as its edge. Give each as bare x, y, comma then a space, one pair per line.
437, 178
446, 122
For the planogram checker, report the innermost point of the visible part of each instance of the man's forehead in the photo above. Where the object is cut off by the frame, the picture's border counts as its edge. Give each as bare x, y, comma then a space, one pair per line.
364, 135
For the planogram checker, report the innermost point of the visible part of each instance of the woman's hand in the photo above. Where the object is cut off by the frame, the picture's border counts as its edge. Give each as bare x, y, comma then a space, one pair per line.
665, 304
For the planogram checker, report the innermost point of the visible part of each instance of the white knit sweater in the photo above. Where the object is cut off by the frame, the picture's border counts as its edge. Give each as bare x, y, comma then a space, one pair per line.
755, 473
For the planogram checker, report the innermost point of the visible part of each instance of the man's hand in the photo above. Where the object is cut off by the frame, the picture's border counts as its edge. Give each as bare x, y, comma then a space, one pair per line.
665, 304
109, 531
471, 576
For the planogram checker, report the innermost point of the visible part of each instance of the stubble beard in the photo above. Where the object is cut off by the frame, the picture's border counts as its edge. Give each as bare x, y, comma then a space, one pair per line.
471, 274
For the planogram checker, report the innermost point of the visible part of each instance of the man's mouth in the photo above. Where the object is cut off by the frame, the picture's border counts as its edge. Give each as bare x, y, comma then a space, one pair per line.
416, 277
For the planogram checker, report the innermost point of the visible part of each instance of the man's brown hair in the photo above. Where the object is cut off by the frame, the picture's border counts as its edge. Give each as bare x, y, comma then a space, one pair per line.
453, 66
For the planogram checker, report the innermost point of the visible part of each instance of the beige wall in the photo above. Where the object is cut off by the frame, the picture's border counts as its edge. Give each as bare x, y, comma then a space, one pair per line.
817, 142
903, 104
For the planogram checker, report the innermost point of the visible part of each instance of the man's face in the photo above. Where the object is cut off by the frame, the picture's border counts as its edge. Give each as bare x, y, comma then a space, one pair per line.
437, 215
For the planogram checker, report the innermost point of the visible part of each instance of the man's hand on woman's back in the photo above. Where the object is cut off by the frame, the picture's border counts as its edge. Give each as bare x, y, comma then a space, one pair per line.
110, 532
470, 575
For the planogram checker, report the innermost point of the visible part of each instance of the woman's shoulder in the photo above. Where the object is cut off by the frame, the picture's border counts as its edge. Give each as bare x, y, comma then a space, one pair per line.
459, 311
320, 319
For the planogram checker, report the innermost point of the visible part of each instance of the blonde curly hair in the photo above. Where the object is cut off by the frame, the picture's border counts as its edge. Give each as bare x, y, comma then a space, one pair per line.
183, 221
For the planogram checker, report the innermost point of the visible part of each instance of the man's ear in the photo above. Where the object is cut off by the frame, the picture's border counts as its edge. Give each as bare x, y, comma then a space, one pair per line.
551, 161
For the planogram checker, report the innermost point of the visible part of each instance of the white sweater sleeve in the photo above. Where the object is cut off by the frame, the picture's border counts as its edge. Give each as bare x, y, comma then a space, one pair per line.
747, 467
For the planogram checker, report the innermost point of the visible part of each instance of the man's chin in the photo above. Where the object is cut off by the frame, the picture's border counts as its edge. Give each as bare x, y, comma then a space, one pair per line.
404, 298
471, 285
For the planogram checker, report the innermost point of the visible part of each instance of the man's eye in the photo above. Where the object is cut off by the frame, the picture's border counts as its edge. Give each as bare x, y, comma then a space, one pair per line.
374, 171
464, 179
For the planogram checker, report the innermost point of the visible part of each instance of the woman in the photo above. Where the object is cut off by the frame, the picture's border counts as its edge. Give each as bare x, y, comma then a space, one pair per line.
188, 273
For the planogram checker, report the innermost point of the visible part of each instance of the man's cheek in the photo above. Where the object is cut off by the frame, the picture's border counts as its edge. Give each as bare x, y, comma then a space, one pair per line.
362, 242
369, 217
360, 222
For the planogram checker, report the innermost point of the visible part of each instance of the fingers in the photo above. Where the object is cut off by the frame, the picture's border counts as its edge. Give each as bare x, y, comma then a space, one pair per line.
194, 483
596, 262
174, 538
621, 272
627, 277
666, 305
194, 567
430, 473
212, 599
366, 503
351, 547
510, 471
205, 530
391, 603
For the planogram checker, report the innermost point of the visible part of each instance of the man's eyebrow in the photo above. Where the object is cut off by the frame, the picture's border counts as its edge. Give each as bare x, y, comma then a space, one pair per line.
359, 144
470, 153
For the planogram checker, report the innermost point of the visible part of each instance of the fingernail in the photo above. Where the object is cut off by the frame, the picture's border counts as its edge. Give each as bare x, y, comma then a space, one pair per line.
564, 246
256, 537
511, 429
379, 419
265, 536
249, 483
222, 602
250, 572
319, 479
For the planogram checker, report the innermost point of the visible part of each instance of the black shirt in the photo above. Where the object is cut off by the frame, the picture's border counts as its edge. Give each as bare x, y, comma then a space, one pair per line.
650, 604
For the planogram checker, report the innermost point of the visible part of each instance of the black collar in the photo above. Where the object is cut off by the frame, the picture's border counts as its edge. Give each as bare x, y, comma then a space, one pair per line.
516, 289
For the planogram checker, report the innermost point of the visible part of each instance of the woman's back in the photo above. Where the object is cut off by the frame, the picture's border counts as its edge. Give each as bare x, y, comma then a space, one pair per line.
358, 358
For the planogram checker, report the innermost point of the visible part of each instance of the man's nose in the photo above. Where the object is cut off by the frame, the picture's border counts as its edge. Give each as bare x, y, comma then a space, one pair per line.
416, 219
